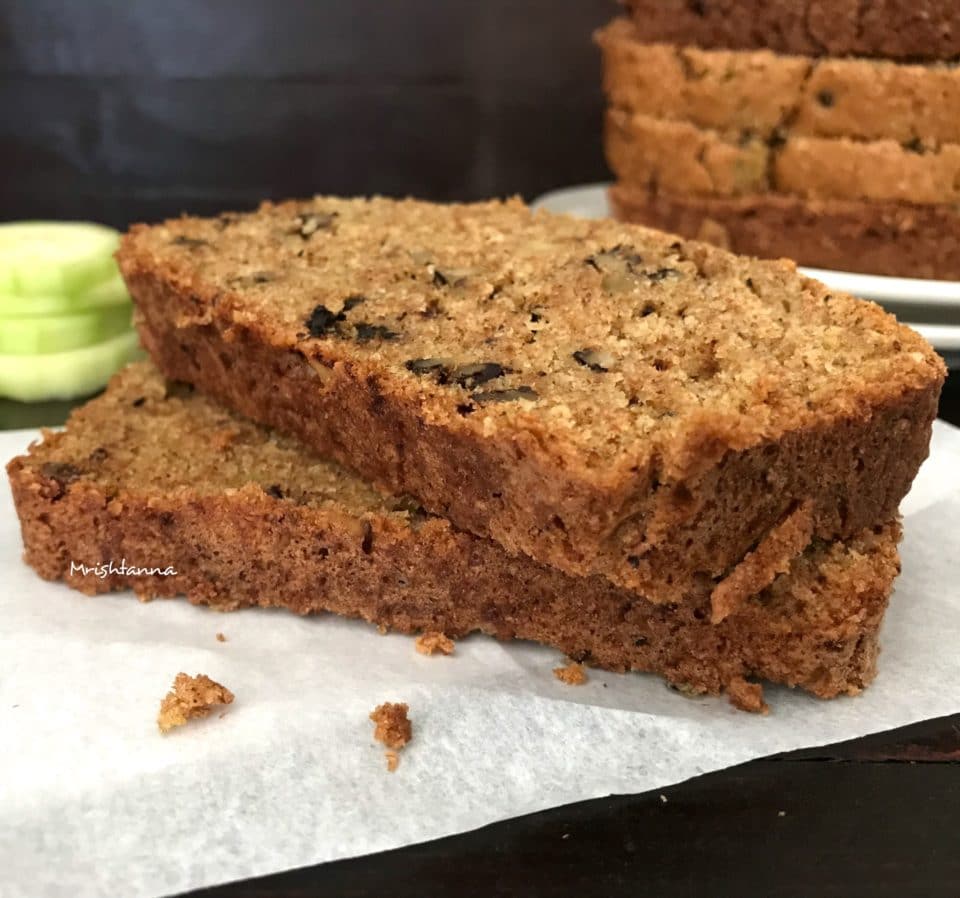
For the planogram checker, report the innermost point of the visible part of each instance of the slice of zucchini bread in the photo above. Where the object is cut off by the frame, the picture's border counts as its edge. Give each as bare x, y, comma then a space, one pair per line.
153, 486
602, 397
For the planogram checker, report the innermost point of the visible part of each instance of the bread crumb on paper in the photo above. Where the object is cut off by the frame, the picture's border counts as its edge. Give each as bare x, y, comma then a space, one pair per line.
190, 698
393, 729
431, 643
572, 674
747, 696
221, 637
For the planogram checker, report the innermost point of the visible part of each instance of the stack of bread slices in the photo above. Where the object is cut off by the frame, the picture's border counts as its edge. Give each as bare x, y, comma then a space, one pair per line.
648, 453
827, 131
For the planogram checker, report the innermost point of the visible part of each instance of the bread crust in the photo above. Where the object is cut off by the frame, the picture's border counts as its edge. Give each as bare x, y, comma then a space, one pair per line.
888, 238
898, 29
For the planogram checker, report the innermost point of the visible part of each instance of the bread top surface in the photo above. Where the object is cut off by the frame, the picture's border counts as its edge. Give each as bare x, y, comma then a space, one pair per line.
149, 436
611, 344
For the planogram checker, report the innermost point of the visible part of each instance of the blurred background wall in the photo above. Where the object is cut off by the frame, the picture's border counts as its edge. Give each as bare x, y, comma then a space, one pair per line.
124, 110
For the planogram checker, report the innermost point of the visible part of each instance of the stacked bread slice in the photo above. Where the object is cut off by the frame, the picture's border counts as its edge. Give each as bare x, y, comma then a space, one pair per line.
648, 453
838, 161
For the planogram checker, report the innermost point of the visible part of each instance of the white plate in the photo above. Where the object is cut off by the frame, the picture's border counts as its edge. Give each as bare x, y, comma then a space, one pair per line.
902, 294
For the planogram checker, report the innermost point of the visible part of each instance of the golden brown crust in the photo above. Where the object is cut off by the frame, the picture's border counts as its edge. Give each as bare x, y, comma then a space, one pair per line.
899, 29
636, 479
814, 627
772, 95
886, 238
190, 698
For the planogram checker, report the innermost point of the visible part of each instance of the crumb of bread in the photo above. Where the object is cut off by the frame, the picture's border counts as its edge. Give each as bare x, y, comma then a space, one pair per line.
432, 642
393, 760
393, 726
382, 629
221, 637
189, 698
747, 696
573, 674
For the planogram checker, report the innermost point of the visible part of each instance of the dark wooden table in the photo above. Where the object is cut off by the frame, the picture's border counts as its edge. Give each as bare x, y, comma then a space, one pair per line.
876, 817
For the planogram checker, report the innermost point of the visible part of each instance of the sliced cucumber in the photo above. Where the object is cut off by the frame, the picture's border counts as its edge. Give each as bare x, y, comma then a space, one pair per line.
66, 375
112, 292
47, 258
58, 333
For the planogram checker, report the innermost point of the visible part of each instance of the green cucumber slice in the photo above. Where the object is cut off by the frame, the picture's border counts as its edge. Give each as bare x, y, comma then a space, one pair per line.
112, 292
66, 375
44, 258
58, 333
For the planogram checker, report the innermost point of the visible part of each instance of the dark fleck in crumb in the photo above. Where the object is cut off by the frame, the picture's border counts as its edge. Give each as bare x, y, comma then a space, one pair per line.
431, 643
98, 455
470, 376
661, 274
189, 242
825, 98
177, 389
140, 400
505, 395
62, 473
425, 366
366, 544
274, 491
322, 321
594, 359
351, 302
367, 332
190, 698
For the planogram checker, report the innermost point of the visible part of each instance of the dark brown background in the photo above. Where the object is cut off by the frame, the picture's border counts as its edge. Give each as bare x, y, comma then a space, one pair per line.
139, 109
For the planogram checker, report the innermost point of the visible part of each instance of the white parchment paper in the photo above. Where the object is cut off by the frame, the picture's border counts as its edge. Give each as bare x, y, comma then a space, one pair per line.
93, 801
